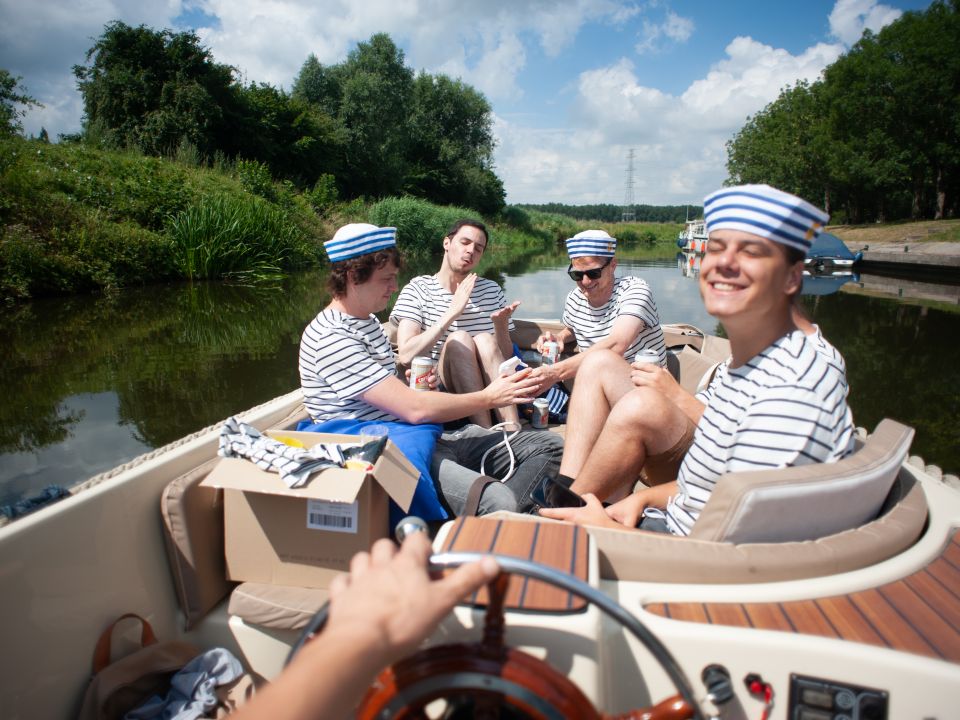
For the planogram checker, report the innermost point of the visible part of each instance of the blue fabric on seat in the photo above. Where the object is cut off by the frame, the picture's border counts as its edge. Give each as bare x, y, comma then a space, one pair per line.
416, 442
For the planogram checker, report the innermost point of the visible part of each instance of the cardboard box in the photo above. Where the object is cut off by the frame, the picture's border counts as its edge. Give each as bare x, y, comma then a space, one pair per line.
306, 536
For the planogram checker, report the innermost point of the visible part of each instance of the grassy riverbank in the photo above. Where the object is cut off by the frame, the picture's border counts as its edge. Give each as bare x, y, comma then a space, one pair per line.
76, 219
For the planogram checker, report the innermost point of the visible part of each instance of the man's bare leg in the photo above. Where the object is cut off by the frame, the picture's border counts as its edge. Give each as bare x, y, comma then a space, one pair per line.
643, 423
490, 359
460, 370
602, 379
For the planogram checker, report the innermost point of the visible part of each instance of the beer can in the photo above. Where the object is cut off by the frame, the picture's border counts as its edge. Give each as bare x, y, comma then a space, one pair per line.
551, 352
541, 414
419, 371
648, 356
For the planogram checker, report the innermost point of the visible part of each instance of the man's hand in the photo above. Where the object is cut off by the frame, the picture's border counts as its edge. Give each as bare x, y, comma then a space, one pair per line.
546, 337
503, 315
592, 514
516, 388
651, 375
462, 296
389, 600
547, 376
432, 378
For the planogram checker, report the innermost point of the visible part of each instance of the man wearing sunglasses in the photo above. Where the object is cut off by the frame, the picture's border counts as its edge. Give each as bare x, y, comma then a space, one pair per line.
603, 311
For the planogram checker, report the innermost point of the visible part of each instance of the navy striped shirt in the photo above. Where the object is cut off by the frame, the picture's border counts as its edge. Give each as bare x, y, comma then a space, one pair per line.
786, 406
630, 296
341, 357
424, 301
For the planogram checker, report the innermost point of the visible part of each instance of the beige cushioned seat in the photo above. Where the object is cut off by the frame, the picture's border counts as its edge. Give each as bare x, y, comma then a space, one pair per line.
786, 524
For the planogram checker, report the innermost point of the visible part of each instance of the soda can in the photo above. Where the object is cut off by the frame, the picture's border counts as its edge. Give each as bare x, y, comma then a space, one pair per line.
541, 414
648, 356
551, 352
419, 371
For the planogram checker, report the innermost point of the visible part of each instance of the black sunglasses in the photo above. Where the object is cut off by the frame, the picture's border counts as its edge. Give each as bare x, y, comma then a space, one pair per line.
592, 273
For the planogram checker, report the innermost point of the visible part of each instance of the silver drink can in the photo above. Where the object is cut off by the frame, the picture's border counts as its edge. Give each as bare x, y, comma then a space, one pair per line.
541, 414
648, 356
419, 371
551, 352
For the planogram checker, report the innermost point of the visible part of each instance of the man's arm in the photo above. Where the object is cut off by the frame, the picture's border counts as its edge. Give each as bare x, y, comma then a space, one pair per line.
379, 612
414, 340
413, 406
501, 327
622, 334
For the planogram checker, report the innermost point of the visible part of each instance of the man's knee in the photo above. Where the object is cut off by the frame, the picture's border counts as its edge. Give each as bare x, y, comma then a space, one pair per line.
646, 413
598, 361
497, 496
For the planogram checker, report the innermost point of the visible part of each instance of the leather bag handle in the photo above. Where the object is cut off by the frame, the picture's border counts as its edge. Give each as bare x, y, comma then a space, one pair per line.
101, 654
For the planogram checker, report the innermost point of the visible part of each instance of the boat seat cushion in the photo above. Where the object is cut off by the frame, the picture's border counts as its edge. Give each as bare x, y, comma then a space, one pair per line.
808, 501
635, 555
193, 525
279, 607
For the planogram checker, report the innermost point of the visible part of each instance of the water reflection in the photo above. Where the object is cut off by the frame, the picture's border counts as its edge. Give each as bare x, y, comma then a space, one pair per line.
88, 383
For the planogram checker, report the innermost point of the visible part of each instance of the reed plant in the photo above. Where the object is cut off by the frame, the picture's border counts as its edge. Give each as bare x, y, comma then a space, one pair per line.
239, 237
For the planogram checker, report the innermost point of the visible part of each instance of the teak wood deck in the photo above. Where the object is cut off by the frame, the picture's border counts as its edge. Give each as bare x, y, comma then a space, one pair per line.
918, 614
563, 547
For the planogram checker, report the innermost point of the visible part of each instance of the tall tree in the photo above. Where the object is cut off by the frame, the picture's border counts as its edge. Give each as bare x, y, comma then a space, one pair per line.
13, 94
153, 89
318, 85
377, 90
451, 145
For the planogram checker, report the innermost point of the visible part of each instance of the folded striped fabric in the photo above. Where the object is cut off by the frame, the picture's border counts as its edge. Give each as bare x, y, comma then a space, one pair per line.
294, 465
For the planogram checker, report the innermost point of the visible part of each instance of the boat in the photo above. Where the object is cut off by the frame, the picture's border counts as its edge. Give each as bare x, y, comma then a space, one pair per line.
830, 251
859, 623
820, 281
693, 237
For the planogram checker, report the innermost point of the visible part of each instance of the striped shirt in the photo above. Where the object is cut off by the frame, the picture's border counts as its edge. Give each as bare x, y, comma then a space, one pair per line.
424, 301
630, 296
830, 354
786, 406
341, 357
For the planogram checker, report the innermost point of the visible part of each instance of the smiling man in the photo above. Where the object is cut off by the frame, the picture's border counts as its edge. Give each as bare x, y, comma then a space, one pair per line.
603, 311
776, 402
462, 321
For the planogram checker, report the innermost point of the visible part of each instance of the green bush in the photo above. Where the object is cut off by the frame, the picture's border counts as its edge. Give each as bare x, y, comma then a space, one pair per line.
516, 217
420, 225
237, 237
255, 178
323, 195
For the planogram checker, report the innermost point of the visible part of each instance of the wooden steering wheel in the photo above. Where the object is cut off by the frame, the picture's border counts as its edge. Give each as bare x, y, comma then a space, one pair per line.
491, 680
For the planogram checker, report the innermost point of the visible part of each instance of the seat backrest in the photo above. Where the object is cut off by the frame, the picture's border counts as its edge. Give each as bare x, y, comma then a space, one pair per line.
807, 501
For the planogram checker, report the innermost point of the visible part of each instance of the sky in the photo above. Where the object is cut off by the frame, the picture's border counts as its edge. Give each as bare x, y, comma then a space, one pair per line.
574, 85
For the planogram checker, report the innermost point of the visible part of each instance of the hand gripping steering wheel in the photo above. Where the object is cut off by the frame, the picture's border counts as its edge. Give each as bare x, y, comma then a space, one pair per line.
491, 680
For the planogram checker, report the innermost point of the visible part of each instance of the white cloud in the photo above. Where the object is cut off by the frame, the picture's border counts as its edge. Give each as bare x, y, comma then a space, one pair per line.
675, 28
850, 18
679, 139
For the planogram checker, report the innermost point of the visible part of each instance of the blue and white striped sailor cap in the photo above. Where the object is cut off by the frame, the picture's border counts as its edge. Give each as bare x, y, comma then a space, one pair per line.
591, 243
358, 239
765, 211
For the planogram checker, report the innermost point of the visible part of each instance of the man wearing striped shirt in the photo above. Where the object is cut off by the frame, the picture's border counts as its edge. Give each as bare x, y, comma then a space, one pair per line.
776, 402
462, 321
348, 372
603, 311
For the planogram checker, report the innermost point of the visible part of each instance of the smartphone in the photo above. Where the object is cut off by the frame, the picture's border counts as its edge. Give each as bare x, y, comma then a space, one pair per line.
550, 493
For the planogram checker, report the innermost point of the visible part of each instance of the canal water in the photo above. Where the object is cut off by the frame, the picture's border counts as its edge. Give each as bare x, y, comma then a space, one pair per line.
89, 383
